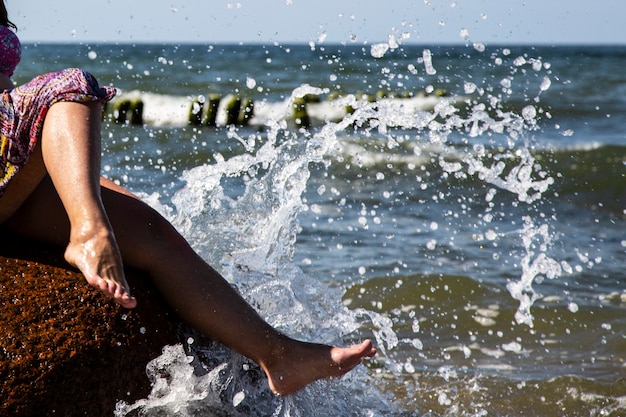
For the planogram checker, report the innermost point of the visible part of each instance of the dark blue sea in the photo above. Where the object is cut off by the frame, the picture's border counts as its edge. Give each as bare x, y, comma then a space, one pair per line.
463, 206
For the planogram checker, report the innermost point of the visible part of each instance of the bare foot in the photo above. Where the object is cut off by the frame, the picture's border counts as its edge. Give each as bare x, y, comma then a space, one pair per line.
97, 256
299, 364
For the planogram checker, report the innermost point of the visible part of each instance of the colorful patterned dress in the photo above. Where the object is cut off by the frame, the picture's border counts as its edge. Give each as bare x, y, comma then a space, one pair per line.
10, 51
24, 108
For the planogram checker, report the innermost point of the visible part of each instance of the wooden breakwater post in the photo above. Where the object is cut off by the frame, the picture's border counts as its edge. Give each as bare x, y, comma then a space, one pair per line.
128, 111
246, 113
209, 116
204, 111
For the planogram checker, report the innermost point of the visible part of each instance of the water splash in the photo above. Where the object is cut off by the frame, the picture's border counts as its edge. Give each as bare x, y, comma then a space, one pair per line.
257, 228
536, 265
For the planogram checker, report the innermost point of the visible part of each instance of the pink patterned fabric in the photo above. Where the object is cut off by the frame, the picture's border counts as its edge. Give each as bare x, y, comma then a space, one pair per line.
23, 111
10, 51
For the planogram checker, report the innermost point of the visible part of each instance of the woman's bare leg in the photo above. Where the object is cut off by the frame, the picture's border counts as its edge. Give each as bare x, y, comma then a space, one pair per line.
193, 288
203, 298
70, 146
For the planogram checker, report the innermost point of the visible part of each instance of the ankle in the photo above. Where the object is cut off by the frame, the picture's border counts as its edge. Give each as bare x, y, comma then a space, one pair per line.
276, 353
92, 227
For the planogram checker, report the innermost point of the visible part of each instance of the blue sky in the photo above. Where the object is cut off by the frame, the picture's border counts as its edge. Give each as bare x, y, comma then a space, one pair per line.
330, 21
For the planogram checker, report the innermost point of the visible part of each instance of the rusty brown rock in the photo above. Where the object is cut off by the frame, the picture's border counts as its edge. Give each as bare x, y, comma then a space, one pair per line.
65, 349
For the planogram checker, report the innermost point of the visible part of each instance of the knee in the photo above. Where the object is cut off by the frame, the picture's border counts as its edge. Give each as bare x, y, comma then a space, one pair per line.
161, 241
161, 230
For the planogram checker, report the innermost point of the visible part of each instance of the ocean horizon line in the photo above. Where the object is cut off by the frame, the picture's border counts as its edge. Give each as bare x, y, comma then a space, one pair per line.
327, 44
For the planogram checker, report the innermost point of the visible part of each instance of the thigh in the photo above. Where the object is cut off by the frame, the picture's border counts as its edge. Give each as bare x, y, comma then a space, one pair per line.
25, 182
142, 234
41, 216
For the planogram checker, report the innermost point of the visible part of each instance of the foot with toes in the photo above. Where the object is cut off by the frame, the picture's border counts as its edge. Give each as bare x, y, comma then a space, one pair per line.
97, 257
293, 367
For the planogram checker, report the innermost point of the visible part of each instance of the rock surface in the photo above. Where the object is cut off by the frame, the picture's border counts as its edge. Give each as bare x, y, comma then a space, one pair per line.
65, 349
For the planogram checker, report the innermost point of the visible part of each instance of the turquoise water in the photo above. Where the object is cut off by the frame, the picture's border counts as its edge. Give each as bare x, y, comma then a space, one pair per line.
470, 220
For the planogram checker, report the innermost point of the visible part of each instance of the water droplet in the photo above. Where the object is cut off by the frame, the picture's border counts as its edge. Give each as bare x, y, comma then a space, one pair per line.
428, 62
238, 398
512, 347
480, 47
379, 50
529, 113
469, 88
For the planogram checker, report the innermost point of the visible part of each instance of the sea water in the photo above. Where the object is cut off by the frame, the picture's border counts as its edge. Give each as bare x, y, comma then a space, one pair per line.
462, 206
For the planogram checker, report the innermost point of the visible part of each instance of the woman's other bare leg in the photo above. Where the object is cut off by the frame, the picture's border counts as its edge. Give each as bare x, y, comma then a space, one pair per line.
194, 289
204, 299
70, 146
